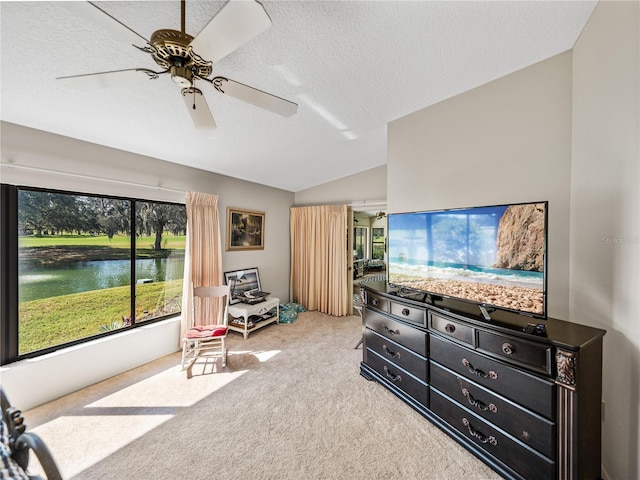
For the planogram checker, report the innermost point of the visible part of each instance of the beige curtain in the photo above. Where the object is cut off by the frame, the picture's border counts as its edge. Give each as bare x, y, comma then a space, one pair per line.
319, 258
203, 254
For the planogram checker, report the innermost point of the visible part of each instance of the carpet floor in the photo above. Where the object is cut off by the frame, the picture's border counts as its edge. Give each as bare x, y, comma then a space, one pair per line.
290, 404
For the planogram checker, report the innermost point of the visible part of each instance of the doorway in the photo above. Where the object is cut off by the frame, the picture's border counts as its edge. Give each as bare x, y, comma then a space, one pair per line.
367, 244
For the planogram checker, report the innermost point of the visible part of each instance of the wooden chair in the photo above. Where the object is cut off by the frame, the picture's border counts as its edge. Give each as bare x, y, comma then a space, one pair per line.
207, 336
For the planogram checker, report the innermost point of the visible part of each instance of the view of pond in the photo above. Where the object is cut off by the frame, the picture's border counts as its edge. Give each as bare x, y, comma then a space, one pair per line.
56, 280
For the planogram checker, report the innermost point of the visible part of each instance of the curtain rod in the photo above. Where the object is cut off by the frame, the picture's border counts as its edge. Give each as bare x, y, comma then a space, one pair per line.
90, 177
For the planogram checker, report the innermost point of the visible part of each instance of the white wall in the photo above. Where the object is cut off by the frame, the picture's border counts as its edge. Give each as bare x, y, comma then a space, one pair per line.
605, 217
364, 187
504, 142
29, 383
85, 167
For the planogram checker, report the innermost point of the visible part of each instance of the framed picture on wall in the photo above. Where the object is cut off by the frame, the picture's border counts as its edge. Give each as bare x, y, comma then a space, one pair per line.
245, 229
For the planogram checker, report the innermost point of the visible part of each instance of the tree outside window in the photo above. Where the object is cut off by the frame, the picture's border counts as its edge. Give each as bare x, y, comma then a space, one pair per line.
377, 243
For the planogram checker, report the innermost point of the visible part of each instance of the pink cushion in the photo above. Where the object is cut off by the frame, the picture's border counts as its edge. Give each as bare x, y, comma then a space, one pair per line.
204, 331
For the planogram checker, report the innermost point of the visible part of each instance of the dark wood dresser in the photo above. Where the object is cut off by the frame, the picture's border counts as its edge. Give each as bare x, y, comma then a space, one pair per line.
528, 405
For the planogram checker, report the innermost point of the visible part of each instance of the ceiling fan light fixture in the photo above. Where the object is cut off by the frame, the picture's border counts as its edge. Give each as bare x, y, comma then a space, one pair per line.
182, 76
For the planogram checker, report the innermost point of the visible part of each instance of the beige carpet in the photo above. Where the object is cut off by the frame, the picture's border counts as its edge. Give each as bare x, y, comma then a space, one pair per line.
290, 404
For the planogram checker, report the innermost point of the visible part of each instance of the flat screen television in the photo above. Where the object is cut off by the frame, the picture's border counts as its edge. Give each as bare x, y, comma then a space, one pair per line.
492, 256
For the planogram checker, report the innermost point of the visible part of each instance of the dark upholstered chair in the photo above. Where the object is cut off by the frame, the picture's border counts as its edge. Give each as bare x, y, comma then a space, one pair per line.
16, 445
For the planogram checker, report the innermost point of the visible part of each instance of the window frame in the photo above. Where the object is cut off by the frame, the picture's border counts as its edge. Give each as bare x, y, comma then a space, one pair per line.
9, 272
381, 243
361, 240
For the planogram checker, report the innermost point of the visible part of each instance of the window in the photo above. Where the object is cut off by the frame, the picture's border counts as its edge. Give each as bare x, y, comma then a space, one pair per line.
160, 244
377, 243
85, 266
360, 241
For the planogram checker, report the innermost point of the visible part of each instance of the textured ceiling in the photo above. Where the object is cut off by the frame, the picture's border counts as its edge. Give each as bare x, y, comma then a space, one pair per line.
352, 66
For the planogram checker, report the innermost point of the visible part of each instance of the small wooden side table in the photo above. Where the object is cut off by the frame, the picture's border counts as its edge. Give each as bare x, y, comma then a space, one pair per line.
244, 311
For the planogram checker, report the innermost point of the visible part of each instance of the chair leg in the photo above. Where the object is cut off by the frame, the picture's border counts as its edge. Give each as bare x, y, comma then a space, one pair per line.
358, 344
184, 351
224, 352
189, 353
192, 350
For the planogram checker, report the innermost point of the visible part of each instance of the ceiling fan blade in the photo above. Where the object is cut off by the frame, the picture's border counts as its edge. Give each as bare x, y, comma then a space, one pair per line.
198, 109
254, 96
114, 78
94, 13
234, 25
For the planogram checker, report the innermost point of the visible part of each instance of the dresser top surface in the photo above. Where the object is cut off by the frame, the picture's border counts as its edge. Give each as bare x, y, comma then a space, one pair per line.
561, 333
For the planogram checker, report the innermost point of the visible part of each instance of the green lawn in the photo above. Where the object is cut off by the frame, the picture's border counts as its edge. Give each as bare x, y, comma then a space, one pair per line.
58, 320
73, 248
169, 241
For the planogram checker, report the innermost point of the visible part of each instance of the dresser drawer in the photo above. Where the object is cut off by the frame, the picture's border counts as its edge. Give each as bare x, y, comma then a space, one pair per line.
529, 428
398, 377
451, 328
533, 392
377, 301
414, 315
397, 354
526, 462
527, 354
405, 335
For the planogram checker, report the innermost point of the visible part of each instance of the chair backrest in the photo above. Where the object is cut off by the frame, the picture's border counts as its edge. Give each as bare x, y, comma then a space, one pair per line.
205, 305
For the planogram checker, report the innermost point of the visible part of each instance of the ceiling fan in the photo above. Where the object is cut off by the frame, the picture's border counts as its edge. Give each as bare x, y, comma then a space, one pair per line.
188, 59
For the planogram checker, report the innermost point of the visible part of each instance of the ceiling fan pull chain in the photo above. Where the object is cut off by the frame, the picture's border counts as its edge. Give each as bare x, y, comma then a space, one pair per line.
194, 91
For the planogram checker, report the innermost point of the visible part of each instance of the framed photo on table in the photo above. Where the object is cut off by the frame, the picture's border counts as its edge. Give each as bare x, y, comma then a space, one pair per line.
241, 281
245, 229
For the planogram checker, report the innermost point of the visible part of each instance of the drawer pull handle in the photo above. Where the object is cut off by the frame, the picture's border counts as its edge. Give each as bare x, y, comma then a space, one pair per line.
508, 349
393, 377
375, 302
492, 375
474, 433
450, 328
406, 312
390, 353
391, 332
483, 407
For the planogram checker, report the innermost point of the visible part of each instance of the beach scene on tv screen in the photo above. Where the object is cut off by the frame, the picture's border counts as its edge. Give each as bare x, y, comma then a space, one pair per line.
490, 255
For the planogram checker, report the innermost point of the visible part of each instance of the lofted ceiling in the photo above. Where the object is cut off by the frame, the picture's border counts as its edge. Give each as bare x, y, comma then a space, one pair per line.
351, 66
